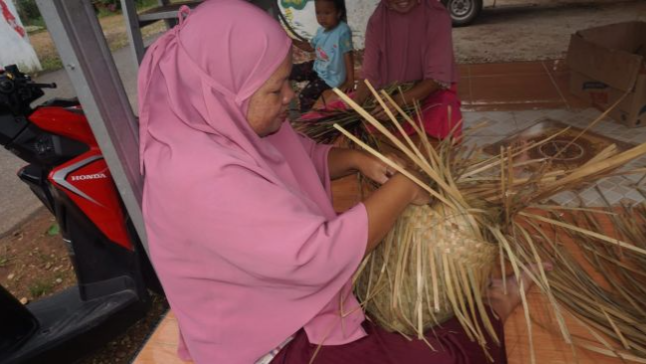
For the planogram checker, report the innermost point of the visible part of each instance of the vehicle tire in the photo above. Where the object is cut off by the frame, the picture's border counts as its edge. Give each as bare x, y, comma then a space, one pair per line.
463, 12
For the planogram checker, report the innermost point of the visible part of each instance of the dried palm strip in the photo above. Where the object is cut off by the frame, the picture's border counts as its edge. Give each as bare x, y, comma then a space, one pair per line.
586, 232
592, 124
589, 299
516, 195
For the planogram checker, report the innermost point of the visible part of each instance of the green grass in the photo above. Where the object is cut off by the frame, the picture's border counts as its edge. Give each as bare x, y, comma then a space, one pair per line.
41, 288
4, 257
38, 22
55, 229
44, 257
51, 64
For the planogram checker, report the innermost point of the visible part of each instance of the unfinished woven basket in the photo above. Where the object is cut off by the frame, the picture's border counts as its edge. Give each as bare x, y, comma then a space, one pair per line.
420, 275
437, 260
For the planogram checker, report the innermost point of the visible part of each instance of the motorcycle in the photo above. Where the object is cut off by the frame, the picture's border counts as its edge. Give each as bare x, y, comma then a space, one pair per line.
69, 175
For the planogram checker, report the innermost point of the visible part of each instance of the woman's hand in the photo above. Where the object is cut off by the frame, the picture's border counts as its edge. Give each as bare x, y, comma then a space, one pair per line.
347, 87
380, 114
373, 168
305, 46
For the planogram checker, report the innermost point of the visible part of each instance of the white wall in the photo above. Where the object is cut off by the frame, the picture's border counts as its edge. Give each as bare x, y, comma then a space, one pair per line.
14, 41
304, 20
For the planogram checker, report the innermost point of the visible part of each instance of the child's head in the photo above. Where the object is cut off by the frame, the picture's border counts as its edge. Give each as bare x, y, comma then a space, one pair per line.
329, 13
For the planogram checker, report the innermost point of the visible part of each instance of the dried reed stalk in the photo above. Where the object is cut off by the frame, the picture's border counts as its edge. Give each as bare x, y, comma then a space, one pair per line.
437, 261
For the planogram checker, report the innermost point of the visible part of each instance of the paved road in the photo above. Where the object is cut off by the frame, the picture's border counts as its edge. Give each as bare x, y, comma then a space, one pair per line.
17, 202
529, 30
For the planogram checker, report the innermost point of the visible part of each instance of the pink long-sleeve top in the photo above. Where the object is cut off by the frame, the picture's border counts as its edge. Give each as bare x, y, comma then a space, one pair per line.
241, 229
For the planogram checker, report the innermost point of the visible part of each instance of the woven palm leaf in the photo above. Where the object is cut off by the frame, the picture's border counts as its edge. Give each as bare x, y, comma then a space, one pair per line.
437, 260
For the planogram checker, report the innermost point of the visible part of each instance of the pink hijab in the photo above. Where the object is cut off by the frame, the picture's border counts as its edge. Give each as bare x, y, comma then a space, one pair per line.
409, 47
241, 229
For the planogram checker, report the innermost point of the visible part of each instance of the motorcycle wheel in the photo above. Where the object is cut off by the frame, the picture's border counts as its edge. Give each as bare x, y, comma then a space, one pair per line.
463, 12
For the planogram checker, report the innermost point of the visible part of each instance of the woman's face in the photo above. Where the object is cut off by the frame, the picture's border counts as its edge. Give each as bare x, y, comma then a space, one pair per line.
268, 106
402, 6
327, 15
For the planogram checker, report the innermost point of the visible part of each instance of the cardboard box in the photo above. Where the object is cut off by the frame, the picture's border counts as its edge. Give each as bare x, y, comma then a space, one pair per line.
607, 64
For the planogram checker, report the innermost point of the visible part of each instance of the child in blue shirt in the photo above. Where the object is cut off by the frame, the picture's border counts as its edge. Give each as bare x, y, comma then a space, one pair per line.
334, 63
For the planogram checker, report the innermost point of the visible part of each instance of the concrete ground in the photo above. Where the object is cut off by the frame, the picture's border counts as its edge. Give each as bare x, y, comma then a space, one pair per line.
530, 30
17, 202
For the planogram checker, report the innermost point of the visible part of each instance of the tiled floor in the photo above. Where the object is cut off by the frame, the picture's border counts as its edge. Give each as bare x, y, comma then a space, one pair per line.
510, 98
505, 124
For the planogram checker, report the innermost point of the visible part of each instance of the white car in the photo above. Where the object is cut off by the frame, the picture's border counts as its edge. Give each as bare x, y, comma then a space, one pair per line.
464, 12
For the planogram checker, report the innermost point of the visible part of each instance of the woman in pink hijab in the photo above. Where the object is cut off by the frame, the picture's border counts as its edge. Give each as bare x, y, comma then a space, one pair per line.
242, 233
410, 41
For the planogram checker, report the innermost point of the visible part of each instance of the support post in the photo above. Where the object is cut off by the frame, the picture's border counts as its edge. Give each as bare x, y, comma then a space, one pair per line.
84, 51
135, 39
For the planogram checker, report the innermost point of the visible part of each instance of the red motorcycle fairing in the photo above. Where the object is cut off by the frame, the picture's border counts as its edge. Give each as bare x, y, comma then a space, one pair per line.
61, 121
86, 179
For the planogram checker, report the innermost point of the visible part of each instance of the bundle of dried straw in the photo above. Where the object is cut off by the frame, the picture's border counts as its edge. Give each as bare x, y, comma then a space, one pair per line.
320, 127
438, 259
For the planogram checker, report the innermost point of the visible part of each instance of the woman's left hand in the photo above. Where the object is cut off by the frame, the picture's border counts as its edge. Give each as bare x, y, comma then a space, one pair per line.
380, 114
378, 171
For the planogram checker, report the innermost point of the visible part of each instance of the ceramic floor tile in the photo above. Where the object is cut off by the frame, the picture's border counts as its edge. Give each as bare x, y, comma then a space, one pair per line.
471, 117
638, 178
606, 184
621, 190
502, 116
489, 127
635, 196
564, 198
611, 197
526, 123
560, 114
530, 116
481, 141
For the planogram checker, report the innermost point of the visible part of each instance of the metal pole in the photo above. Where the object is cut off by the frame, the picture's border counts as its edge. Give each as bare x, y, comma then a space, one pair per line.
83, 49
135, 38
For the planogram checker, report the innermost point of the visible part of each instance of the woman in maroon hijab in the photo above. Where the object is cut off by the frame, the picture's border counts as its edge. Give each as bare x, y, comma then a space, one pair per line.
410, 41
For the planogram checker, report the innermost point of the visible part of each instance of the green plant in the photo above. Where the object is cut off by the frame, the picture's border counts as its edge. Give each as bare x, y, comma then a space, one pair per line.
111, 5
4, 258
28, 11
55, 229
40, 288
51, 63
143, 4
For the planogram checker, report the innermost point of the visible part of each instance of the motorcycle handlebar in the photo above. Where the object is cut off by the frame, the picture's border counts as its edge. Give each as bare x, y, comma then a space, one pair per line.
45, 85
